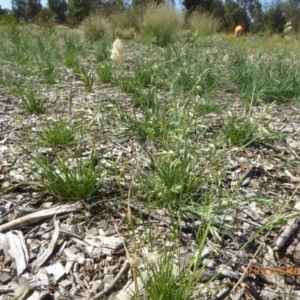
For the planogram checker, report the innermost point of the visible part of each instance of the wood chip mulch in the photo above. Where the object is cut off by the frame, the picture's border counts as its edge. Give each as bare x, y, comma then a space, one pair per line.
83, 250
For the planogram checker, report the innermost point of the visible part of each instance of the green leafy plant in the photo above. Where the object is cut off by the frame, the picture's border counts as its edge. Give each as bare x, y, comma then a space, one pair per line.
208, 107
148, 72
145, 98
196, 78
71, 51
45, 60
86, 78
105, 73
32, 103
126, 84
102, 52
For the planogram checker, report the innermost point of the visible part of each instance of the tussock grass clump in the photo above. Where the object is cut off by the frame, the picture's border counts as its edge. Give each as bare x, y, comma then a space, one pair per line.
176, 179
105, 72
244, 131
265, 79
124, 23
45, 54
208, 107
202, 25
198, 71
32, 103
161, 24
68, 183
59, 134
145, 99
154, 124
103, 48
61, 29
146, 73
197, 77
71, 50
166, 279
95, 26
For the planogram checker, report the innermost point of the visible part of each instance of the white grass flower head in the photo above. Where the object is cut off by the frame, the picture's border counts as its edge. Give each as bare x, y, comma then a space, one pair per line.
117, 51
225, 58
251, 57
288, 27
150, 257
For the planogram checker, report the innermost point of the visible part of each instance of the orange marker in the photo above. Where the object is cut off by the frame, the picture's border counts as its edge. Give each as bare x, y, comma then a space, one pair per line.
238, 30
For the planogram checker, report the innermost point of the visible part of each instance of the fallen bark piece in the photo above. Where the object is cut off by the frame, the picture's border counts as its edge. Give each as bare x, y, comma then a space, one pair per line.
40, 215
68, 266
4, 278
42, 259
273, 275
42, 276
113, 282
269, 293
227, 271
23, 243
23, 289
4, 244
12, 287
71, 253
255, 294
286, 234
57, 270
108, 244
35, 296
18, 251
128, 292
223, 293
238, 294
65, 283
293, 178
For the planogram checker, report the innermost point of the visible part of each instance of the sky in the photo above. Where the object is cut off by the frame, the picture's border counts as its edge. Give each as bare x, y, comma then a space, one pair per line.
7, 3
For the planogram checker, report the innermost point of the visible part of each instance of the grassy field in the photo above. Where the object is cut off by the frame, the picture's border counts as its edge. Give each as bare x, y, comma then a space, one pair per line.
176, 119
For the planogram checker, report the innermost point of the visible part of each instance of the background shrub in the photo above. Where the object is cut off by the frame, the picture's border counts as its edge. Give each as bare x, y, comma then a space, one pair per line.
202, 24
161, 24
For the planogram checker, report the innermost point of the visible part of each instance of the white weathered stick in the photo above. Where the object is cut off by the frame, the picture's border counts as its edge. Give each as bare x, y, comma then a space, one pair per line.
292, 225
40, 215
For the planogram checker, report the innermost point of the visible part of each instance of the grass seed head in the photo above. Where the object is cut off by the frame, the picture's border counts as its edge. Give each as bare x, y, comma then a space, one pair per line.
117, 51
